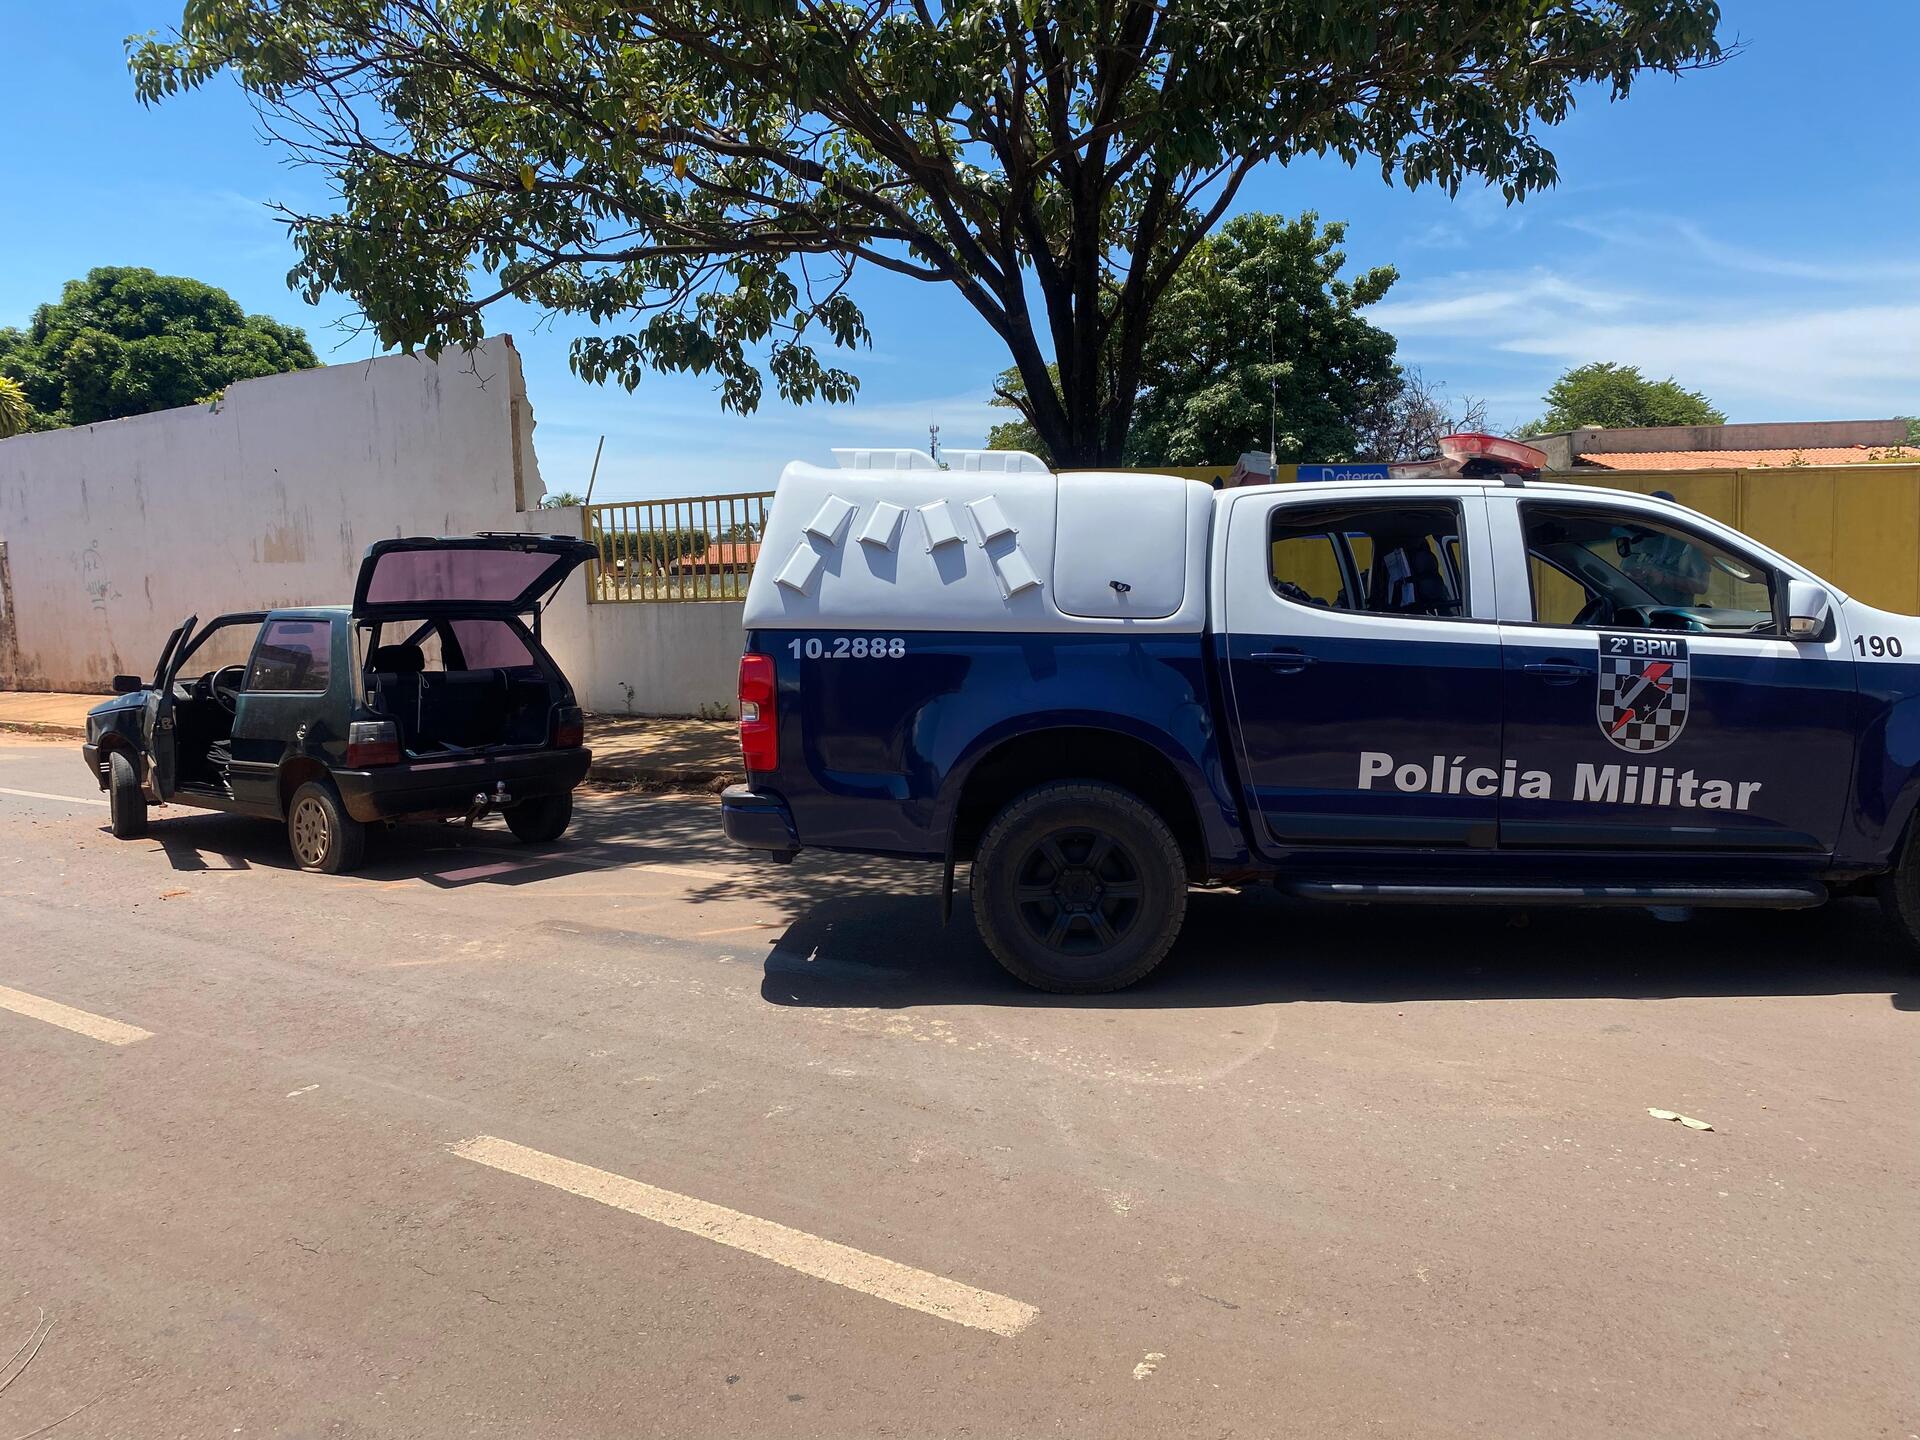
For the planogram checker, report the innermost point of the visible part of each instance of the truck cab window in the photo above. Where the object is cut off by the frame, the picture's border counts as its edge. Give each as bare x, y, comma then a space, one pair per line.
1382, 557
1592, 567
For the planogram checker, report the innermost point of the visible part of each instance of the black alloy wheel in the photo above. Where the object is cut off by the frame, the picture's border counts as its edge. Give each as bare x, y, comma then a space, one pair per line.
1079, 887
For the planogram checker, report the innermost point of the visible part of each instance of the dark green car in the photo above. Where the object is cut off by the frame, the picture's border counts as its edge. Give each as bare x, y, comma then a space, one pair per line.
430, 696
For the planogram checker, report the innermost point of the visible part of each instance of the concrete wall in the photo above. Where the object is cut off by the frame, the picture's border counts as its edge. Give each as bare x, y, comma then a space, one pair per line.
641, 659
114, 532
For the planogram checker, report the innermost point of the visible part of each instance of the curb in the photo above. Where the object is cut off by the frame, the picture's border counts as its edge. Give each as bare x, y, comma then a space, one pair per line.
683, 780
46, 728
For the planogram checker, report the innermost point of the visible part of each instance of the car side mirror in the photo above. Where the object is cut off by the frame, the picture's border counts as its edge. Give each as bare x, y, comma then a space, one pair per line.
127, 684
1809, 609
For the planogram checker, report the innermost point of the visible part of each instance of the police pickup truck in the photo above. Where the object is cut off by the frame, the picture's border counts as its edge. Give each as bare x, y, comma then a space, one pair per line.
1101, 689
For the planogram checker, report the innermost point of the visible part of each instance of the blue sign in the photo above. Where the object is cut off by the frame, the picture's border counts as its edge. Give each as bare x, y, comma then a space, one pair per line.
1344, 472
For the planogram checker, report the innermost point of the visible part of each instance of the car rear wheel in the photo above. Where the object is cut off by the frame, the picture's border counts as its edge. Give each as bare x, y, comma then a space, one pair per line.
126, 805
542, 820
324, 837
1079, 888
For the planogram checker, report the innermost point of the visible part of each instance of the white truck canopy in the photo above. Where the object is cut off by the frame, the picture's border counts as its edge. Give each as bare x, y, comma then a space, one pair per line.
995, 541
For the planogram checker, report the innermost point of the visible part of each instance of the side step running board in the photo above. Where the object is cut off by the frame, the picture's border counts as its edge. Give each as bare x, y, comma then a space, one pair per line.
1768, 897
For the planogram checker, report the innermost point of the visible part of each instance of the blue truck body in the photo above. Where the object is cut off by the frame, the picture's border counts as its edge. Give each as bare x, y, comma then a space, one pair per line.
1467, 747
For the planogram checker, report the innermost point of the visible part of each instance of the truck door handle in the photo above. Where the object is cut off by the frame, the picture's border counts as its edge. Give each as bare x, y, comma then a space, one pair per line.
1557, 672
1287, 662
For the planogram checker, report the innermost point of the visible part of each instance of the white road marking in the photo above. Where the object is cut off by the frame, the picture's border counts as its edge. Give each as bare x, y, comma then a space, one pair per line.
810, 1255
81, 1022
43, 795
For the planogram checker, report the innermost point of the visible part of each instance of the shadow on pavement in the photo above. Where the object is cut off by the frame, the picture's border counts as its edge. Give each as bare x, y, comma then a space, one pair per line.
1261, 948
861, 932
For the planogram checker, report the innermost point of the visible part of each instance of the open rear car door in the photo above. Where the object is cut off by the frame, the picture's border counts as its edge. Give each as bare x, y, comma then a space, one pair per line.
156, 725
497, 574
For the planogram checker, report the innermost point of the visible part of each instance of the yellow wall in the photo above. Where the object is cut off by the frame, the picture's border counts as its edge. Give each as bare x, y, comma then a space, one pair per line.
1856, 525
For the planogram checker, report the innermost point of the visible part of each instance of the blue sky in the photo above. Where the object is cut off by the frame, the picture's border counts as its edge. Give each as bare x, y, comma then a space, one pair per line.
1753, 230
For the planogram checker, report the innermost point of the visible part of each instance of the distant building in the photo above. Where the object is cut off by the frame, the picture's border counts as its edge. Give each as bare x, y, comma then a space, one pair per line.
1726, 447
722, 557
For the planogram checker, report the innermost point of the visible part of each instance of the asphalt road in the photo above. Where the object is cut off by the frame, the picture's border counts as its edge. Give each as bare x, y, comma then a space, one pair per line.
631, 1136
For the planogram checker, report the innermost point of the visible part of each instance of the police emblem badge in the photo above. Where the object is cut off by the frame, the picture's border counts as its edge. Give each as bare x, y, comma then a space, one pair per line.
1644, 691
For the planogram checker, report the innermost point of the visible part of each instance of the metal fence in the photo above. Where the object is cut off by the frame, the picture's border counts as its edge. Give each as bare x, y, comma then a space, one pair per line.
702, 547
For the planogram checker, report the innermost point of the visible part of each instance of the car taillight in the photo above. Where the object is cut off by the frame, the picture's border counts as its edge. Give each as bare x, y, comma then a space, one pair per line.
372, 742
759, 730
569, 727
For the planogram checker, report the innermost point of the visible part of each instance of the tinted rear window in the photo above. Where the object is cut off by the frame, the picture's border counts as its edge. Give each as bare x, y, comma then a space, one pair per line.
487, 644
497, 576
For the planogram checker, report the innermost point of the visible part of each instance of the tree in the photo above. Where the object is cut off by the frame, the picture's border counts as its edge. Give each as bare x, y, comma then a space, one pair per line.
561, 499
14, 410
125, 341
1409, 422
1256, 329
700, 181
1608, 396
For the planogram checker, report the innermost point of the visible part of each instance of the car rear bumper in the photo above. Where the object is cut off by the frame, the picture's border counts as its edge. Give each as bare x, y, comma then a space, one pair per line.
449, 787
759, 822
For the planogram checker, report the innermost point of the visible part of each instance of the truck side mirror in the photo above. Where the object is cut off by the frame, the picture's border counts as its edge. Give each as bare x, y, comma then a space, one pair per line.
127, 684
1809, 609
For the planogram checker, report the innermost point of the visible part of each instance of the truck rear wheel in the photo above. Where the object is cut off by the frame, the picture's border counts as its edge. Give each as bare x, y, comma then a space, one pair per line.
126, 806
542, 820
1079, 888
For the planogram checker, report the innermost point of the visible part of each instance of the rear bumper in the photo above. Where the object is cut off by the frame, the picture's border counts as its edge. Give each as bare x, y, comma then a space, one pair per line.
90, 752
448, 787
759, 822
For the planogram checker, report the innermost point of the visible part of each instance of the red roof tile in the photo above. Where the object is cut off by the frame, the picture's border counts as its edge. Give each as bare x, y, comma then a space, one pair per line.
1743, 459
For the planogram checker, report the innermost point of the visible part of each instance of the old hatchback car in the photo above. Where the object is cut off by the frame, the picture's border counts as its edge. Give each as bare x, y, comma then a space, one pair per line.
430, 696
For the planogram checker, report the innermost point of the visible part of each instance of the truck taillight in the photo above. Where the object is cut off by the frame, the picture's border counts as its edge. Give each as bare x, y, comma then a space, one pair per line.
569, 728
759, 729
372, 742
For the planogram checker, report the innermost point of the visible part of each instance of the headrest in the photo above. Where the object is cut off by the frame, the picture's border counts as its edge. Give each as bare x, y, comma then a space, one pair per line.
397, 660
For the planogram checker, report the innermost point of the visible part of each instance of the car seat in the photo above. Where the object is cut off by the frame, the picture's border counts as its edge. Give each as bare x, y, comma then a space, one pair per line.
393, 684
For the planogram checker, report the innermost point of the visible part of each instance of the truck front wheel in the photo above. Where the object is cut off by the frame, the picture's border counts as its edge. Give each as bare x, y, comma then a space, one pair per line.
1899, 891
1079, 888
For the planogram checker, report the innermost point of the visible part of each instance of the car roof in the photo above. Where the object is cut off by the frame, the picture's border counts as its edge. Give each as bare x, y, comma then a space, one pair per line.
311, 612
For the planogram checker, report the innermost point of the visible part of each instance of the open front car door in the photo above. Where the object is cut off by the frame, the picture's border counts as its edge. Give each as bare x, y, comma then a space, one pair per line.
156, 725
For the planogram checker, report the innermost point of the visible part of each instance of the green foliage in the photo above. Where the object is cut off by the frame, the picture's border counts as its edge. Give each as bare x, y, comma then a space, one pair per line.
14, 410
1608, 396
125, 341
650, 549
1257, 321
697, 181
1259, 318
1913, 429
562, 498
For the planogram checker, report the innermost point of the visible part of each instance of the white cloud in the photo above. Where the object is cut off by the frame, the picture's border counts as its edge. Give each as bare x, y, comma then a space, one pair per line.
1645, 230
1478, 298
1859, 361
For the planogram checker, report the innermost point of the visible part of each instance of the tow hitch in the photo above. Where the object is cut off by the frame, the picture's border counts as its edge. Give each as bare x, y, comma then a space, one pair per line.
483, 802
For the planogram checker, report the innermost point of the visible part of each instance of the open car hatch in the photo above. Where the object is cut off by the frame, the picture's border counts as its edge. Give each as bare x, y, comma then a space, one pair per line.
497, 574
